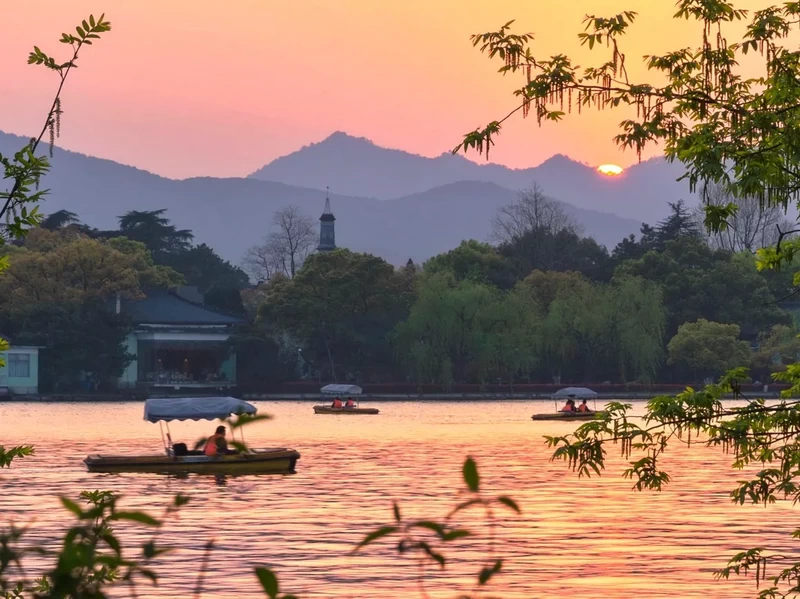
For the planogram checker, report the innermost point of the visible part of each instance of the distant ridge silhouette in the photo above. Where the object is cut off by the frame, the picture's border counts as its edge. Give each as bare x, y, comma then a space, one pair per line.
356, 166
234, 213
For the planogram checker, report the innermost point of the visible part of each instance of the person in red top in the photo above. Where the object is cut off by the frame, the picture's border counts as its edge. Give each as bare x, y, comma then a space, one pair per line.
216, 444
569, 406
337, 403
350, 403
584, 407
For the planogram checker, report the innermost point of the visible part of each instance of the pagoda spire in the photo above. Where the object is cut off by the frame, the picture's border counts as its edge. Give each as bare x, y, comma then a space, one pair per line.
327, 234
327, 202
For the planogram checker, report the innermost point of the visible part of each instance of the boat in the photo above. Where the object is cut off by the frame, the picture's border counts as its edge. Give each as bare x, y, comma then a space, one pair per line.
571, 393
343, 390
568, 416
178, 459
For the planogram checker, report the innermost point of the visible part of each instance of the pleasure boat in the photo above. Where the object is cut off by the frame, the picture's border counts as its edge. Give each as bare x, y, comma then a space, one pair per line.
571, 393
343, 391
178, 459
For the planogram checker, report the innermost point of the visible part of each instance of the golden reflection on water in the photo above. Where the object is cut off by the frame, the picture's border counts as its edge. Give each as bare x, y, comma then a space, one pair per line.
576, 537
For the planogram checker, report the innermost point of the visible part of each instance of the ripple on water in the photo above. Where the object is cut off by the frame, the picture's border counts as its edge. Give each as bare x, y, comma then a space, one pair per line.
578, 538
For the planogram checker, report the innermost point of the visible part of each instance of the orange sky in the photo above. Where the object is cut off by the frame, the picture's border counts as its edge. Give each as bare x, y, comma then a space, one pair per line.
201, 87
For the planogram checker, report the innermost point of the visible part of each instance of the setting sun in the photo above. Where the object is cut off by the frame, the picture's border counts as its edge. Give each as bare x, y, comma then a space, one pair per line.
611, 170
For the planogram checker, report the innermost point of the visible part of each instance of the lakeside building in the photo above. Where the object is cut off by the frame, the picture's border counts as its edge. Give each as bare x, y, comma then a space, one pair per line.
19, 375
177, 342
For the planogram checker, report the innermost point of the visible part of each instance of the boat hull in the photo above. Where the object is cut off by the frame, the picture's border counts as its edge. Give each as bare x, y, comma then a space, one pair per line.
568, 416
257, 461
352, 411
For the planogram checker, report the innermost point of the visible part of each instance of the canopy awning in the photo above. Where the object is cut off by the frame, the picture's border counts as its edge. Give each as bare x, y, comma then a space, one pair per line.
577, 392
194, 408
341, 390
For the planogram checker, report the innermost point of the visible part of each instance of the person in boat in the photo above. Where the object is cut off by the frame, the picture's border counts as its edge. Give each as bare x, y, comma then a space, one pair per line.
337, 403
350, 403
569, 406
216, 444
584, 407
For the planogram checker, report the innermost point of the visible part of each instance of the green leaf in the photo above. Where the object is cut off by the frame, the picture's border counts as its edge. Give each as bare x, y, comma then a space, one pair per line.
375, 535
510, 503
471, 476
71, 506
396, 511
149, 550
139, 517
268, 580
152, 576
434, 526
488, 572
437, 557
456, 534
112, 542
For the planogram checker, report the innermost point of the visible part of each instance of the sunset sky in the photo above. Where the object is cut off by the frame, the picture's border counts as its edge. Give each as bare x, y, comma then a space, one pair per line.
194, 87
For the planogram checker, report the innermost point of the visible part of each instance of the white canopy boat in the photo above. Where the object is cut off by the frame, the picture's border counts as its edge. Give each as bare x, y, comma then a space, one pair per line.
341, 391
177, 458
570, 393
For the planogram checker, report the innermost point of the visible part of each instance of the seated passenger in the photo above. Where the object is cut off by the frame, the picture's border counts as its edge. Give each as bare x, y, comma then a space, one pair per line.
350, 403
337, 403
583, 407
569, 406
216, 444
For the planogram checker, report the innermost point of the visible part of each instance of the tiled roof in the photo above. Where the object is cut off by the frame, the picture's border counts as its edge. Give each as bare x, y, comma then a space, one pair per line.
164, 307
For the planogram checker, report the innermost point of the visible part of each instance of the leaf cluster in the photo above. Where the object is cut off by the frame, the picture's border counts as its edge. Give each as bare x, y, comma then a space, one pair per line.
18, 204
725, 127
426, 540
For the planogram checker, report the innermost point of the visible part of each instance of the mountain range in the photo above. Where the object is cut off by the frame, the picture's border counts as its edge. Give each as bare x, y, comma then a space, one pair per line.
356, 166
387, 202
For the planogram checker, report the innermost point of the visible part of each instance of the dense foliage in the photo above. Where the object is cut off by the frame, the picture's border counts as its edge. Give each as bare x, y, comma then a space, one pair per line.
475, 314
340, 308
735, 133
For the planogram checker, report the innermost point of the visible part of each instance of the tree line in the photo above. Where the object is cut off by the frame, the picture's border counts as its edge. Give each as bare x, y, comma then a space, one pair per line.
541, 303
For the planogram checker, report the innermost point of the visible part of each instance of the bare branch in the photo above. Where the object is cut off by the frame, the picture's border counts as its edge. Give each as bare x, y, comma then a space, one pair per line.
533, 211
285, 249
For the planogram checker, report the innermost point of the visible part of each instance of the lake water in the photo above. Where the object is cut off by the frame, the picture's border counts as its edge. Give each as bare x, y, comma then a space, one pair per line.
575, 538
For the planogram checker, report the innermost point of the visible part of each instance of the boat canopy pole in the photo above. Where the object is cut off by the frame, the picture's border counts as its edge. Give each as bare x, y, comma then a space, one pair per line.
163, 440
169, 437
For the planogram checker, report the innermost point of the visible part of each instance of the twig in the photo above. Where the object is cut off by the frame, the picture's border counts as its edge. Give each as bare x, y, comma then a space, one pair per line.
18, 181
198, 589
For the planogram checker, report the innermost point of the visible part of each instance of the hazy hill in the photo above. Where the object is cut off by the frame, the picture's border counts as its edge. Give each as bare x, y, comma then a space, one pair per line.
356, 166
233, 214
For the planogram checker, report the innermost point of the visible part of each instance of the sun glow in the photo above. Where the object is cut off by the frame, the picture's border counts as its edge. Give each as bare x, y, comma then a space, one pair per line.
610, 170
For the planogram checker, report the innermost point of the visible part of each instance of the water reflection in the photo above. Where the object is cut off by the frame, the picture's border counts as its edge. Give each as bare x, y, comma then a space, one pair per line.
576, 538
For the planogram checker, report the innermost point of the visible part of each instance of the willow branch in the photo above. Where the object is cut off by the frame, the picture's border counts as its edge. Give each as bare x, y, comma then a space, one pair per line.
18, 181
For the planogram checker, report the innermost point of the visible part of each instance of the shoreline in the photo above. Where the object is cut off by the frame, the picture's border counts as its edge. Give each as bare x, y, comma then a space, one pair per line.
368, 397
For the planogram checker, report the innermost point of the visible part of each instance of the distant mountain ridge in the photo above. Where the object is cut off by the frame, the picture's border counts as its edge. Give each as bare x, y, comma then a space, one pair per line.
356, 166
234, 213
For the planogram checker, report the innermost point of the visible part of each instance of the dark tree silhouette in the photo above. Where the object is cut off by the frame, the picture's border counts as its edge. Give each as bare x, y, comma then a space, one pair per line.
154, 230
59, 220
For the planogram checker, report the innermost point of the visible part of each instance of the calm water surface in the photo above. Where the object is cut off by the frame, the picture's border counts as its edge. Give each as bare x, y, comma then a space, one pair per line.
575, 538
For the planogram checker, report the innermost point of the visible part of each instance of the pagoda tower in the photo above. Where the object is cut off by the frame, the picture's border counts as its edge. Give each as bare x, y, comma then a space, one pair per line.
327, 235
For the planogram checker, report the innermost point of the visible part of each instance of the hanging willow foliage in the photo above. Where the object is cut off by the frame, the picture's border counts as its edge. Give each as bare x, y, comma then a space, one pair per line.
727, 127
